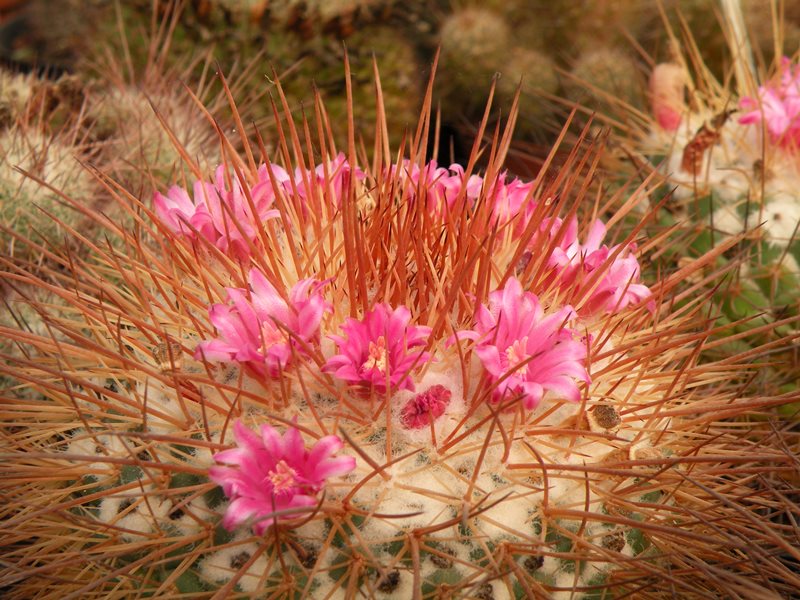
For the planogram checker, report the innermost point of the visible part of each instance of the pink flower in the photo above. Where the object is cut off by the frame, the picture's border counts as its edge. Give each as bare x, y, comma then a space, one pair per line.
222, 216
271, 473
261, 329
525, 352
778, 104
184, 215
574, 264
441, 187
509, 199
339, 172
378, 350
426, 407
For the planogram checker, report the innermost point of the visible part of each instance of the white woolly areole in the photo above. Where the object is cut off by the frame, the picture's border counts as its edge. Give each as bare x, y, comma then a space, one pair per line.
217, 567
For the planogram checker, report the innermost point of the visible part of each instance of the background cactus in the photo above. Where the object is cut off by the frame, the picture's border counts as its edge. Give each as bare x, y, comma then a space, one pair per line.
497, 495
729, 189
303, 41
30, 151
606, 76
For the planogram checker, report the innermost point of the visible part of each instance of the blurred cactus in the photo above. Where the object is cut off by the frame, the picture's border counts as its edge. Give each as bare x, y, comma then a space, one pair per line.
605, 76
536, 73
50, 35
15, 94
475, 43
302, 40
729, 187
130, 138
34, 167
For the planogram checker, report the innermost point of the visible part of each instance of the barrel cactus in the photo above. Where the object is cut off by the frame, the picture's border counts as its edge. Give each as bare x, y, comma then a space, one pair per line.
394, 379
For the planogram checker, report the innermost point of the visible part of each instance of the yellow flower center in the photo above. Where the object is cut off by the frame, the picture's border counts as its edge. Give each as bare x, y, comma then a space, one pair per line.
270, 336
377, 356
282, 477
516, 354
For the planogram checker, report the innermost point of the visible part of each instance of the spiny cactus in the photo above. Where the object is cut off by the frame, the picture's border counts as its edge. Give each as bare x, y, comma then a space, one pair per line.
730, 189
475, 43
734, 178
27, 154
409, 381
535, 72
260, 50
605, 76
15, 93
133, 139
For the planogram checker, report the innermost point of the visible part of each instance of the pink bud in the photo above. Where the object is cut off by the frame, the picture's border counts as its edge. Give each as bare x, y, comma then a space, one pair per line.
667, 85
425, 407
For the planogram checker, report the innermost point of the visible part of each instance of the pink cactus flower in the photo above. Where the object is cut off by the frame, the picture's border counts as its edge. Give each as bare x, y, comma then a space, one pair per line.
222, 216
574, 264
339, 173
380, 350
184, 215
525, 352
778, 105
511, 199
261, 329
425, 407
442, 187
272, 473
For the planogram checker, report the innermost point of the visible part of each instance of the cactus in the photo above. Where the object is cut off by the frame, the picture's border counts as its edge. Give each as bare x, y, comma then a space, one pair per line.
536, 73
51, 35
409, 381
475, 43
605, 76
131, 138
31, 210
15, 94
730, 190
725, 180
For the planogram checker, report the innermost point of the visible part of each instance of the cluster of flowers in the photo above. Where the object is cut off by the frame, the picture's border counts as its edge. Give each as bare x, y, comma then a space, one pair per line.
442, 187
228, 216
778, 106
525, 352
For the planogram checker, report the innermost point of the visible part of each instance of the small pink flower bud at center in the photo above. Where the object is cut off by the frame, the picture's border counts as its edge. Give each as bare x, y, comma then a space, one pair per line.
425, 407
